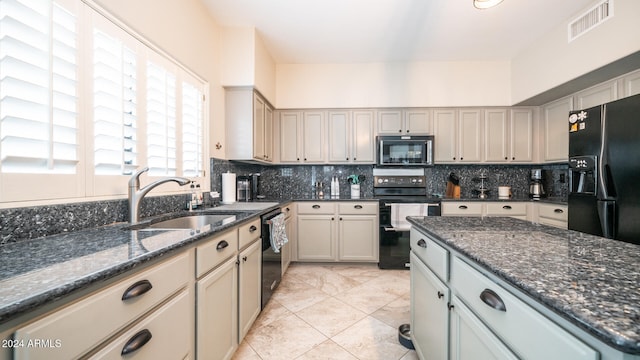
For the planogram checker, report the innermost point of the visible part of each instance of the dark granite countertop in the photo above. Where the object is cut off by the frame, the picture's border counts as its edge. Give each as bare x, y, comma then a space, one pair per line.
552, 200
38, 271
591, 281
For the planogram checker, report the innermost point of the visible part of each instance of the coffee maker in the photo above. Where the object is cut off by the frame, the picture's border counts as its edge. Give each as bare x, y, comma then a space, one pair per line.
536, 190
247, 187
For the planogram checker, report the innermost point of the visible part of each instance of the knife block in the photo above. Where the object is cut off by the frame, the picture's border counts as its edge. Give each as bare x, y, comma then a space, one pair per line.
453, 191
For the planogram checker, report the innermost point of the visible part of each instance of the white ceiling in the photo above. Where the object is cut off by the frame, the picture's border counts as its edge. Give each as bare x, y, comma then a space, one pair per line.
354, 31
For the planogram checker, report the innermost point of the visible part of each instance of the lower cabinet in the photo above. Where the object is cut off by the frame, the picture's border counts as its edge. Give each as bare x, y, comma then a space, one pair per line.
217, 312
290, 225
429, 314
340, 231
459, 313
553, 215
249, 287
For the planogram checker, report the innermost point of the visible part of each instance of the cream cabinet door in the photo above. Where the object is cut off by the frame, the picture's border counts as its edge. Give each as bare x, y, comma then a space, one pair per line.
417, 121
358, 238
597, 95
556, 129
217, 313
313, 135
496, 146
316, 238
289, 225
363, 140
429, 312
258, 128
446, 138
471, 339
521, 135
289, 140
339, 136
470, 135
268, 133
250, 287
631, 84
390, 122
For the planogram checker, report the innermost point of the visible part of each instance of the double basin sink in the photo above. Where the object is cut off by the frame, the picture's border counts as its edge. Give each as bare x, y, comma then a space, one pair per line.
213, 217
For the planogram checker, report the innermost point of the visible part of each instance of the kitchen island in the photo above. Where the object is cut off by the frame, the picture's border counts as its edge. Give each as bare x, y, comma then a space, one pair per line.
583, 287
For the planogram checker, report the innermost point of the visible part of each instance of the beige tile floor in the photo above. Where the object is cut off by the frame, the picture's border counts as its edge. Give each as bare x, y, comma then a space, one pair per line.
332, 312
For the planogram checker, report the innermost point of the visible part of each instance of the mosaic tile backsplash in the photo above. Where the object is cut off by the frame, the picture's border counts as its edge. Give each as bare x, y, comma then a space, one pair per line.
276, 182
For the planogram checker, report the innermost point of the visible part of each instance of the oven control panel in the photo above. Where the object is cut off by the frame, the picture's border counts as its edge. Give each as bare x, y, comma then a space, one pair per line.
399, 181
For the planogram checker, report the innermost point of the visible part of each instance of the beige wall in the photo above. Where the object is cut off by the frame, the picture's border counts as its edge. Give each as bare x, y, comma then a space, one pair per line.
185, 30
552, 61
393, 84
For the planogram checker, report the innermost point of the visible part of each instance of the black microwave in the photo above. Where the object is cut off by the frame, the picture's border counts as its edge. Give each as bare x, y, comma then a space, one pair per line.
405, 150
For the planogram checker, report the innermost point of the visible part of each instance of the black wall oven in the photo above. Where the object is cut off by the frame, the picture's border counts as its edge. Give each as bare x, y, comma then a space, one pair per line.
401, 193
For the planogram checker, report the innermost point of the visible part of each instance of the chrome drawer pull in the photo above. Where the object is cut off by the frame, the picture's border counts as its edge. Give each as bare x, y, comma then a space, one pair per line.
507, 207
222, 244
492, 299
358, 207
422, 243
316, 206
137, 289
136, 342
558, 211
463, 207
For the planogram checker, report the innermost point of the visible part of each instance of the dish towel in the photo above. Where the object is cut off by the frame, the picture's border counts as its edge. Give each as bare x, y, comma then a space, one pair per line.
399, 213
278, 232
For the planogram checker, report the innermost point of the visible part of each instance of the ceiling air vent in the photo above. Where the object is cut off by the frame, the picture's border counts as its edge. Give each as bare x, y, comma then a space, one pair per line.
590, 19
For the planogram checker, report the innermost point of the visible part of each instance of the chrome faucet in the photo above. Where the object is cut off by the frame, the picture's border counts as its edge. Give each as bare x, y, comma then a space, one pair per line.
136, 194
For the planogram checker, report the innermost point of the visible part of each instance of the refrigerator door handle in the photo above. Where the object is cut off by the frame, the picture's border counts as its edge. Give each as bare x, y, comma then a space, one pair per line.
607, 215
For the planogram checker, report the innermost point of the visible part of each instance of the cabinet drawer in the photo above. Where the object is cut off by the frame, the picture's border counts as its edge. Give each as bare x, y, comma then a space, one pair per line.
83, 325
316, 208
461, 208
521, 327
554, 212
507, 209
167, 329
215, 251
435, 256
358, 208
249, 232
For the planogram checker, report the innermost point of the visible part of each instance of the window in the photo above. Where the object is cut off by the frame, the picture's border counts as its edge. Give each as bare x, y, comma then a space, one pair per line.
38, 88
87, 111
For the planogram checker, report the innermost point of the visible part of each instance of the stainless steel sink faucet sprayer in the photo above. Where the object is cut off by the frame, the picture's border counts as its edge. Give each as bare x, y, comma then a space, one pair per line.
136, 194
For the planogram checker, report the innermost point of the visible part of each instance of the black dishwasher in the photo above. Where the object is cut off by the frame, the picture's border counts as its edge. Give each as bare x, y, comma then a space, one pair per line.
271, 261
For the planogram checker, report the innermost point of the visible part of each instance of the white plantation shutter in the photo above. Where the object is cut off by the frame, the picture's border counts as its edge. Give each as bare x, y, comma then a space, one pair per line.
161, 120
38, 88
192, 129
114, 105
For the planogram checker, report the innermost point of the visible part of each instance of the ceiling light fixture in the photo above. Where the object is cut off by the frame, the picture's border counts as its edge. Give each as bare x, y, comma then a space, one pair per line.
485, 4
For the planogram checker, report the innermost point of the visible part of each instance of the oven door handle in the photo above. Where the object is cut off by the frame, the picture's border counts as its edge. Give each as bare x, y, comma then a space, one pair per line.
392, 229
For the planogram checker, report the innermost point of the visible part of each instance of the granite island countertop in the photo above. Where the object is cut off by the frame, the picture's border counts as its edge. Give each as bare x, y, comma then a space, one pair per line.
40, 271
592, 282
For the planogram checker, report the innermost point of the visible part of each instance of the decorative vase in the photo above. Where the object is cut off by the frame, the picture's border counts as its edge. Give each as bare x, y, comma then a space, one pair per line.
355, 191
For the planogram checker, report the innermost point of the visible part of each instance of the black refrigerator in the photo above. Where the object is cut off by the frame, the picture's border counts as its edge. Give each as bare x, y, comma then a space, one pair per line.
604, 170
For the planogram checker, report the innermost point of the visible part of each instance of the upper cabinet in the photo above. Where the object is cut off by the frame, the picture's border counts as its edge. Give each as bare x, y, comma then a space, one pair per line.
508, 135
302, 136
249, 124
404, 122
351, 136
556, 129
596, 95
458, 135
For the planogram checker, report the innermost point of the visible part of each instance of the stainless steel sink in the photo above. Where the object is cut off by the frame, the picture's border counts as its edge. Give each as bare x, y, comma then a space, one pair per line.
192, 222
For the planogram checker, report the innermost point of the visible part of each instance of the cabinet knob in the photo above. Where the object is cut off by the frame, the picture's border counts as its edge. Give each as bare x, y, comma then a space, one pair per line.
347, 159
422, 243
440, 295
305, 159
407, 131
333, 218
513, 158
252, 228
340, 218
454, 158
298, 159
506, 158
461, 158
137, 289
492, 299
136, 342
354, 159
400, 130
450, 306
244, 258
